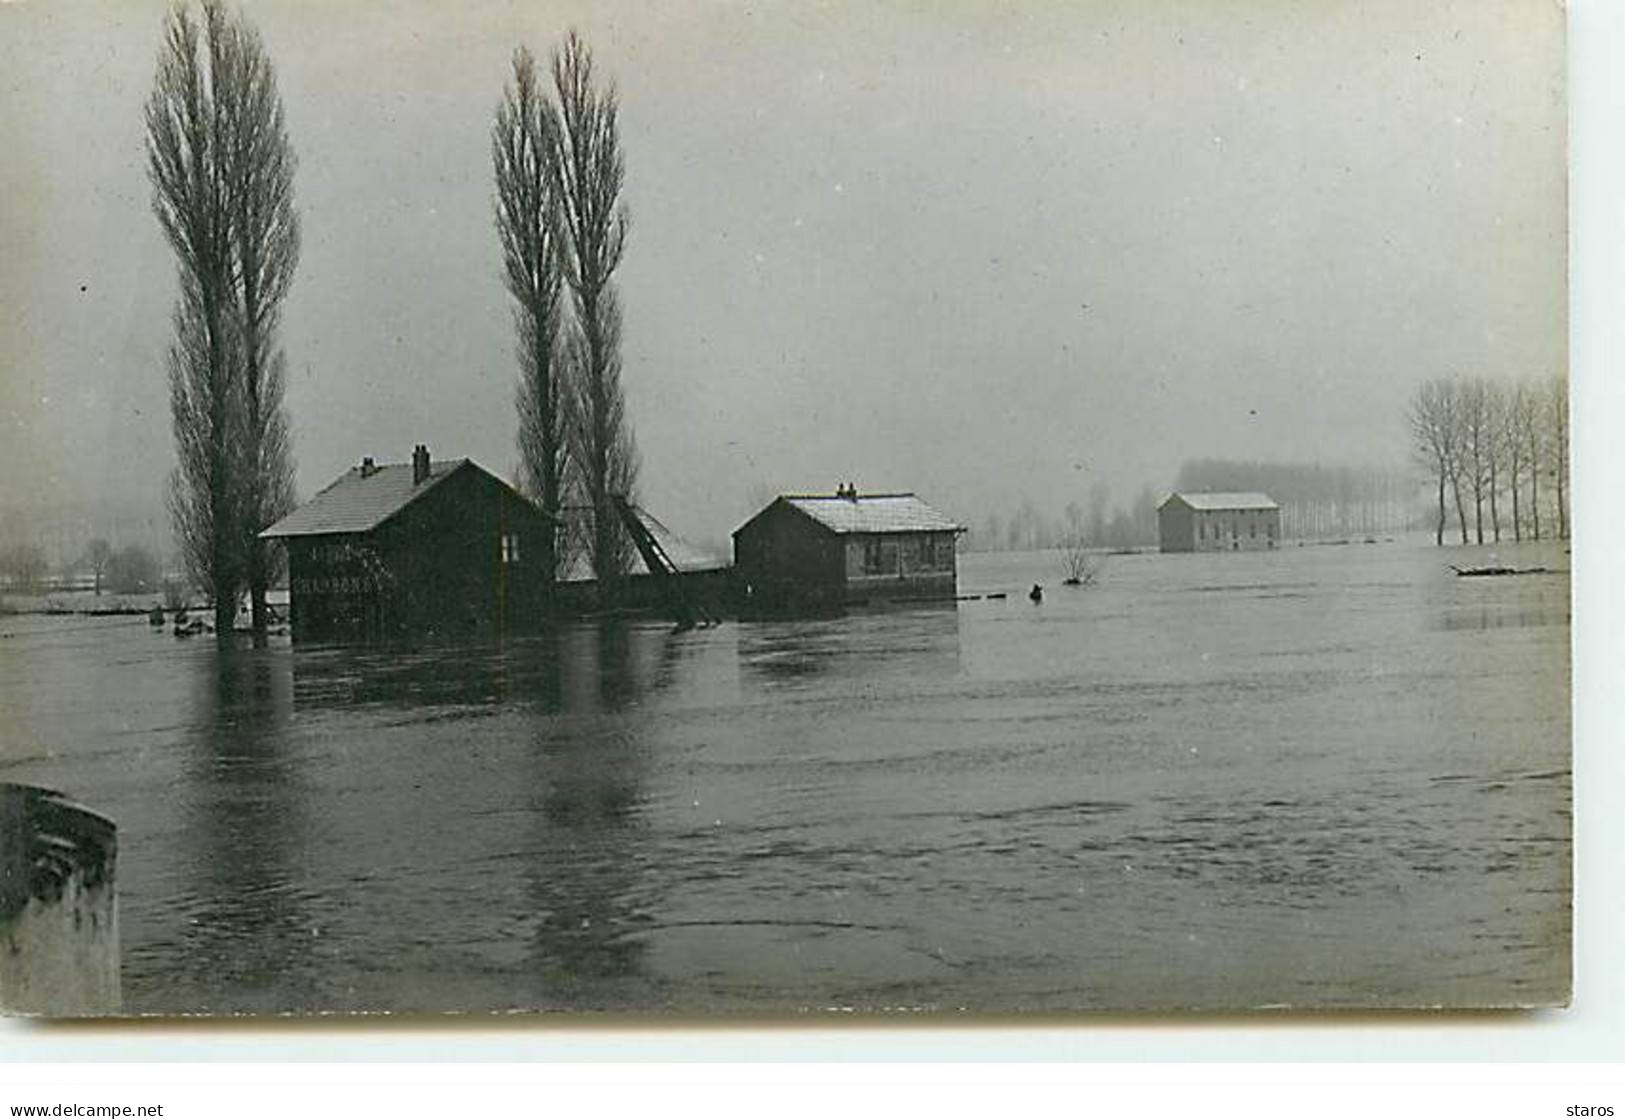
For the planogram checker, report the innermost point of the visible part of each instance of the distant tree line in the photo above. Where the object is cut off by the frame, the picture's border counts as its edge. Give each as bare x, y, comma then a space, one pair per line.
130, 569
23, 566
1317, 501
1096, 523
1496, 455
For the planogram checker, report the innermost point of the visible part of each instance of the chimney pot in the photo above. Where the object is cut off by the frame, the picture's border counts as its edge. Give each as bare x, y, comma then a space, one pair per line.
420, 464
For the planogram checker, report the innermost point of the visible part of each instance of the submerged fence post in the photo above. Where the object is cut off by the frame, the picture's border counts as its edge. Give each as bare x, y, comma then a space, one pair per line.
59, 945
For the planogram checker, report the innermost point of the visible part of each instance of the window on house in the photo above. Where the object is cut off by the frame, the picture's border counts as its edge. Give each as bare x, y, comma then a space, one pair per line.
510, 547
873, 561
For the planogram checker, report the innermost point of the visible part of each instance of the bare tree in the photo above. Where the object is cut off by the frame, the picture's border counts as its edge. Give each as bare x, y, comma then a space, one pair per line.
204, 486
222, 176
1557, 405
97, 554
1495, 406
604, 454
259, 168
1081, 566
1534, 437
186, 130
1515, 450
1473, 416
1433, 434
530, 227
588, 171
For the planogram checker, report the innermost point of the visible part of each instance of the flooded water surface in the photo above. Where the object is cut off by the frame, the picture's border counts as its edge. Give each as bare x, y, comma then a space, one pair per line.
1323, 776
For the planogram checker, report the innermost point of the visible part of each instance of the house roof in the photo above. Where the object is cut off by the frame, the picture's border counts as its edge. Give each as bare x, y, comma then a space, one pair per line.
1209, 502
878, 512
360, 502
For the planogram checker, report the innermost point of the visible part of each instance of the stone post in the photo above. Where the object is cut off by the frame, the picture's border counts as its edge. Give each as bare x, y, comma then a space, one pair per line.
59, 944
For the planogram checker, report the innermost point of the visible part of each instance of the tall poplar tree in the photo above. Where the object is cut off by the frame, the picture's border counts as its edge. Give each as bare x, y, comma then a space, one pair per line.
529, 226
221, 170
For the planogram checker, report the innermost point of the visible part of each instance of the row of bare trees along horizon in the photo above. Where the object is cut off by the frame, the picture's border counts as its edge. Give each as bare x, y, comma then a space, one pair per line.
221, 167
1495, 452
1317, 500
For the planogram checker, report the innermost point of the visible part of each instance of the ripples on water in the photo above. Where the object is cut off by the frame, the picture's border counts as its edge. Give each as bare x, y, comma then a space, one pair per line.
1310, 777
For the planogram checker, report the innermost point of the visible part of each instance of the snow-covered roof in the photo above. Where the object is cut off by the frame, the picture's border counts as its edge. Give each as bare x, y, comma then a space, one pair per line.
1212, 502
361, 499
880, 512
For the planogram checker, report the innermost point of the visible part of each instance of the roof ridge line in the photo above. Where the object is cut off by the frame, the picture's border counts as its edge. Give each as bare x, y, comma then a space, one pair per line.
843, 497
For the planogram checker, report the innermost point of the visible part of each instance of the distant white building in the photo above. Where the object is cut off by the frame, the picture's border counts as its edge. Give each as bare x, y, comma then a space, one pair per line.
1218, 522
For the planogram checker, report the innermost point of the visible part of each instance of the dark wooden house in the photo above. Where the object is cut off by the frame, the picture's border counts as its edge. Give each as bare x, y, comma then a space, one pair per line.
421, 547
1218, 522
829, 550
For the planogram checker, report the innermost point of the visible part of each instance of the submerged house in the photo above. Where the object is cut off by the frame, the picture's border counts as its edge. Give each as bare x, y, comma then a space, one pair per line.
823, 550
427, 546
1218, 522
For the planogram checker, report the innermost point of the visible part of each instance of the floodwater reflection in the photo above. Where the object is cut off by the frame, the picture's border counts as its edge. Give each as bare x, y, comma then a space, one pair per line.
576, 670
1119, 797
243, 925
1501, 616
584, 868
922, 642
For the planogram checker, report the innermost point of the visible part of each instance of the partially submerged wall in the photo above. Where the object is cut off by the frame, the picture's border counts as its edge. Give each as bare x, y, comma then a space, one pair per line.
59, 946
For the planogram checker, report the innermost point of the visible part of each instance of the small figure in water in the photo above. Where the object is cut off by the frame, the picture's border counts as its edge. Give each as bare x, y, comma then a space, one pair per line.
1036, 594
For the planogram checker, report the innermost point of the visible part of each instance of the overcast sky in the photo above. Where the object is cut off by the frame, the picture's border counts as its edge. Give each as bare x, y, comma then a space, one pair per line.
982, 251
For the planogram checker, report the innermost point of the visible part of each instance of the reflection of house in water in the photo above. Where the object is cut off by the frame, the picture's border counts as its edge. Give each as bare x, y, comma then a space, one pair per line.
1218, 522
921, 644
518, 772
442, 547
571, 669
827, 550
586, 867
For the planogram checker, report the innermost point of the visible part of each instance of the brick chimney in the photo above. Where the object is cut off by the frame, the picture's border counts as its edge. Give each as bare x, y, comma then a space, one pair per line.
368, 469
420, 464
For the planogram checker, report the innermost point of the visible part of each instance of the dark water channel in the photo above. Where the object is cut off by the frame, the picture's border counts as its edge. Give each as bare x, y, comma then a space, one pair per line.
1320, 776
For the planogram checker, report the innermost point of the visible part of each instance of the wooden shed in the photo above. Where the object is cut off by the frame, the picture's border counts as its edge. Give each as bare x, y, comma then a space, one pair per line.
825, 550
1218, 522
440, 547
